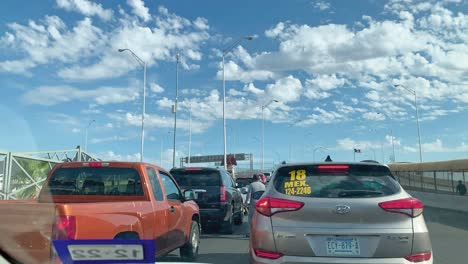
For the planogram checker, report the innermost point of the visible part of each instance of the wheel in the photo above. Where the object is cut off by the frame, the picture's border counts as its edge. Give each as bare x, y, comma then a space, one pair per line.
239, 218
189, 251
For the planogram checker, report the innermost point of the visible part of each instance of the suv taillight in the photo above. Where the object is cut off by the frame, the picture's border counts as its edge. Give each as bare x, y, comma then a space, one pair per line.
222, 196
64, 227
411, 207
420, 257
269, 206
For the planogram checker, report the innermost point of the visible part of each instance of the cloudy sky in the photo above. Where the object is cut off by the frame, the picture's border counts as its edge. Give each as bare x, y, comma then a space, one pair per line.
332, 65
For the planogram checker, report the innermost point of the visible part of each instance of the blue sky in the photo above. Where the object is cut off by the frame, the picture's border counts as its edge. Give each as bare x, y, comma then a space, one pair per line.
332, 65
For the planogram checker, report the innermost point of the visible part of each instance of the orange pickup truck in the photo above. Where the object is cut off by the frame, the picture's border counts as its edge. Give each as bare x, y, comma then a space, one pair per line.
104, 201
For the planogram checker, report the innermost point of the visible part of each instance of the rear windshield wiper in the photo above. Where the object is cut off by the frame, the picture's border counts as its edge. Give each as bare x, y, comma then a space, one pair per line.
354, 193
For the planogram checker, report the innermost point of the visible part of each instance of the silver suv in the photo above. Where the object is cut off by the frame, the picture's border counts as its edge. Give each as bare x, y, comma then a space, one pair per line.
338, 213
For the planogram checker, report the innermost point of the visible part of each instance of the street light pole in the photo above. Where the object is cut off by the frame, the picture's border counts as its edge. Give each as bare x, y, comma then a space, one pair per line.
175, 112
317, 148
86, 134
393, 146
417, 117
263, 130
143, 64
190, 134
225, 52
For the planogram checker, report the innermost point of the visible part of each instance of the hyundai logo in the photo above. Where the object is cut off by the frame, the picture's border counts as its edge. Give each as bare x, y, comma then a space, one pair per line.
342, 209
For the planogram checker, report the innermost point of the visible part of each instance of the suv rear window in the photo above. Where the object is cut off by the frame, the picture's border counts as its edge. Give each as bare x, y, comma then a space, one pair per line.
199, 178
243, 182
336, 181
95, 181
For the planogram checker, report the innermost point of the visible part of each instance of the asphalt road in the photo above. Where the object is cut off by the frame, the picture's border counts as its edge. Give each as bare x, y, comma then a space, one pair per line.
448, 230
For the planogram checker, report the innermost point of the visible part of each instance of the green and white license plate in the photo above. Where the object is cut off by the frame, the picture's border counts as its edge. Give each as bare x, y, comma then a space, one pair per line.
106, 252
343, 246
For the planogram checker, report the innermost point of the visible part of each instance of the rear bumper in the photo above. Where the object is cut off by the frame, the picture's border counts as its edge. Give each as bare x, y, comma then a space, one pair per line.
211, 216
299, 260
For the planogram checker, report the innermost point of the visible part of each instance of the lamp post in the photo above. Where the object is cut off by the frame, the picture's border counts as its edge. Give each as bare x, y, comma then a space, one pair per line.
143, 64
317, 148
225, 52
175, 111
263, 129
417, 117
190, 133
86, 134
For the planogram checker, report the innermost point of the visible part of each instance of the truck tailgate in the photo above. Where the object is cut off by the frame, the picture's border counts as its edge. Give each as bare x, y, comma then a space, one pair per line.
26, 228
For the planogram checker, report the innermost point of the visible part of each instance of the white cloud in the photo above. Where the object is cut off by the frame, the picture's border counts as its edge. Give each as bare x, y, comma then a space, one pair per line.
321, 5
139, 9
76, 130
233, 71
177, 32
64, 119
110, 139
374, 116
350, 144
438, 146
156, 121
86, 8
112, 156
156, 88
322, 116
52, 95
288, 89
49, 41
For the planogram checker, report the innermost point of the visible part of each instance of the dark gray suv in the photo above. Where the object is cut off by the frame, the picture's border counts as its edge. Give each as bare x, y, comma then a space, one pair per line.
338, 213
217, 197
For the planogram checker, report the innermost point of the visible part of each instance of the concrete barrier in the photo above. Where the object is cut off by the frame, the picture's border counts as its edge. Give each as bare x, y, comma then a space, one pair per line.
444, 201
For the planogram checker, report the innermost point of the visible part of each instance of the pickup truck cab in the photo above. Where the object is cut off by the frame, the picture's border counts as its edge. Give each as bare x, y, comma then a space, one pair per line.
105, 201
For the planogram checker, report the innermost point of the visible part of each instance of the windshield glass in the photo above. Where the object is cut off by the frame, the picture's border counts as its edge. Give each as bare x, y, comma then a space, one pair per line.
189, 102
355, 181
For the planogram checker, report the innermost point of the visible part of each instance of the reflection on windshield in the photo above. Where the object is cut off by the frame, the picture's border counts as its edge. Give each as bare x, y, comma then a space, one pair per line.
130, 121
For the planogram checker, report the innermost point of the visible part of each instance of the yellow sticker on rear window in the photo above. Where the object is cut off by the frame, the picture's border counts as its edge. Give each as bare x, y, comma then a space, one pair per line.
297, 184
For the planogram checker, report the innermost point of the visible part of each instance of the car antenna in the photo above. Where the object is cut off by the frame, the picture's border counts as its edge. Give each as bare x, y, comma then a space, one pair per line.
328, 159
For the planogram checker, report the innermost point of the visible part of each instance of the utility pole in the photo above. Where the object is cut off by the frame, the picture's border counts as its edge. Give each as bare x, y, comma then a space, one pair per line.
175, 111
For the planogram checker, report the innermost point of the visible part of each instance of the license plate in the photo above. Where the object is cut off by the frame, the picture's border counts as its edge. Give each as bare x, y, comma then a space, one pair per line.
106, 252
338, 246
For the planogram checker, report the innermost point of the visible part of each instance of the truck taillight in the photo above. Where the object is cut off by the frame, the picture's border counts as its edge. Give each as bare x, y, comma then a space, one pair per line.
269, 206
222, 196
64, 227
411, 207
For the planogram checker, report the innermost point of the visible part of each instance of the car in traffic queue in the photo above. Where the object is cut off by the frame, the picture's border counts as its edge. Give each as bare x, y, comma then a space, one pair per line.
338, 213
110, 201
216, 194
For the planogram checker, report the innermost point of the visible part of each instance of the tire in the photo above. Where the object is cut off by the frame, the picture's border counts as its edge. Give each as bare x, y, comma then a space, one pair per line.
189, 251
239, 220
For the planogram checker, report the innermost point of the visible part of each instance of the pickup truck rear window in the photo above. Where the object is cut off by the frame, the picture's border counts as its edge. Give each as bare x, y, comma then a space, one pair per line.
95, 181
198, 178
336, 181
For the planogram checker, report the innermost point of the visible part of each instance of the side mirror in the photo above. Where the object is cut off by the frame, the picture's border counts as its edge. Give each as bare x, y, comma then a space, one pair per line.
237, 185
189, 195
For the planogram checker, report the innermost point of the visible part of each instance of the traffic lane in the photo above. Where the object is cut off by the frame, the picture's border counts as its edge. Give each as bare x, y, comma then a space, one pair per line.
448, 231
449, 235
220, 248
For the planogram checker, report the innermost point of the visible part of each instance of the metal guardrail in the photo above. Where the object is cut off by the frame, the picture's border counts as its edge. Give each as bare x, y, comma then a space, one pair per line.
22, 174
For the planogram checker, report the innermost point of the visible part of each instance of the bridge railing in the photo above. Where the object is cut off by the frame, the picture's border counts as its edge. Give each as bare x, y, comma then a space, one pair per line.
22, 174
432, 181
